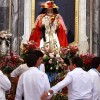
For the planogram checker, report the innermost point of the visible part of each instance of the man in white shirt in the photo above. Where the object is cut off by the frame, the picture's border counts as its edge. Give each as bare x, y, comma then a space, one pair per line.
22, 68
78, 82
32, 83
95, 76
19, 70
5, 85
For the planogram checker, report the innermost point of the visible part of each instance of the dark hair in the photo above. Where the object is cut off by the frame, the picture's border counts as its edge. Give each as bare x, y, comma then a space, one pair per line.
55, 11
66, 60
95, 62
32, 58
77, 61
30, 51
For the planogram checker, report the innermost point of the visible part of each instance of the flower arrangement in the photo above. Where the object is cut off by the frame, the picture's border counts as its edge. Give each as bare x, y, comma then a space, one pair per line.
87, 58
53, 62
30, 45
9, 62
69, 52
5, 35
60, 96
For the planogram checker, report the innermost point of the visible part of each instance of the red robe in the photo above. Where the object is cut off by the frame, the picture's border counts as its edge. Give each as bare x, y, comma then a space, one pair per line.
61, 31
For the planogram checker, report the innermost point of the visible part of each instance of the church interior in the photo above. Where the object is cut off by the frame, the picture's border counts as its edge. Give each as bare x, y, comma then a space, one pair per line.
78, 21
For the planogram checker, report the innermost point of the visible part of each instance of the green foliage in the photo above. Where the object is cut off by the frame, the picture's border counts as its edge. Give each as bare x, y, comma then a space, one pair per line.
60, 96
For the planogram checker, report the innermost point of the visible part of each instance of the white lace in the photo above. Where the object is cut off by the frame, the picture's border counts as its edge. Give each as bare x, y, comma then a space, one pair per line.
50, 32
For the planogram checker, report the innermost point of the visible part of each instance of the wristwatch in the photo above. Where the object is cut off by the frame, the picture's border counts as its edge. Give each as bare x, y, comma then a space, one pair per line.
49, 93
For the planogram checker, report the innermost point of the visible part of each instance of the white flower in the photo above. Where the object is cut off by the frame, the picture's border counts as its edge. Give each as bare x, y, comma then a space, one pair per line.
62, 61
47, 48
45, 56
51, 68
60, 65
56, 68
65, 64
50, 61
57, 56
51, 55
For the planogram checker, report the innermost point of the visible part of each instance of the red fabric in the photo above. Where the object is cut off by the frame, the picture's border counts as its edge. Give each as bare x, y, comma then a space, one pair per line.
62, 36
60, 33
36, 35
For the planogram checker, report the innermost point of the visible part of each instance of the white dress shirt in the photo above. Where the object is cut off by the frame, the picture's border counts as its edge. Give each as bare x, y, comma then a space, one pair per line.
5, 85
22, 68
42, 68
32, 84
79, 85
95, 76
19, 70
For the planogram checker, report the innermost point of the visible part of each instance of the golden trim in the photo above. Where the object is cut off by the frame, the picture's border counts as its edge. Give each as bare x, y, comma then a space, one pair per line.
32, 13
76, 38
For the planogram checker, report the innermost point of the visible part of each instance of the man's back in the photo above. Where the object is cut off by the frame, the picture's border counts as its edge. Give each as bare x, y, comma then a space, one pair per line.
80, 86
34, 83
78, 81
95, 76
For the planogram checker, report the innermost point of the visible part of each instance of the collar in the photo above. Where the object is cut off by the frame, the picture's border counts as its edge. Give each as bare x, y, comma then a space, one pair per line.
78, 68
33, 67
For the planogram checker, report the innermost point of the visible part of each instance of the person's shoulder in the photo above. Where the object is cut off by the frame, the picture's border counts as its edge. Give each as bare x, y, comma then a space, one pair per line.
41, 15
42, 65
70, 73
77, 71
25, 73
1, 72
92, 72
42, 73
58, 15
23, 65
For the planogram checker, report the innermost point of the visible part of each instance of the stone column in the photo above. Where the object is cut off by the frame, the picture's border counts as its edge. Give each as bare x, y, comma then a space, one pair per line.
83, 43
14, 29
88, 20
96, 27
17, 24
27, 20
4, 13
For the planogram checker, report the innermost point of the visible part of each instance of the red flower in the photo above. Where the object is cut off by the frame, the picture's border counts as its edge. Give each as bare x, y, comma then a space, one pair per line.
87, 59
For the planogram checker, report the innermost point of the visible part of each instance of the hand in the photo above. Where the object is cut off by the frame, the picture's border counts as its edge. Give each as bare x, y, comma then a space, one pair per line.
44, 96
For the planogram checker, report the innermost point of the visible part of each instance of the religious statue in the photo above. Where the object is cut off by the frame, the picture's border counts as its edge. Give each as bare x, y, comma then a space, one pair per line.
49, 28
